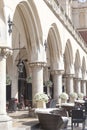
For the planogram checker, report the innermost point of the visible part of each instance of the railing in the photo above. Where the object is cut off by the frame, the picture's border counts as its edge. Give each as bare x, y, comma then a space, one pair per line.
63, 17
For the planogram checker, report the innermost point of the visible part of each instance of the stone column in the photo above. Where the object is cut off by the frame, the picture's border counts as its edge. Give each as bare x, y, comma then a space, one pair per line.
46, 74
14, 88
83, 87
37, 77
77, 85
5, 120
69, 83
57, 80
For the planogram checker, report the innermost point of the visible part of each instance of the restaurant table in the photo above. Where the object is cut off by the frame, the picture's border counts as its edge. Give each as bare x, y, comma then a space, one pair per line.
68, 107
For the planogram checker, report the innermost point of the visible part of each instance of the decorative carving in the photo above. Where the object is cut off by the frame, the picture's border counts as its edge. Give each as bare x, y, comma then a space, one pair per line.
83, 80
41, 64
69, 75
57, 72
77, 78
4, 51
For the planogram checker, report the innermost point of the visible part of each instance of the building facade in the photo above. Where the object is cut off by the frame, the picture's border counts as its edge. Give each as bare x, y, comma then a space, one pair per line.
46, 36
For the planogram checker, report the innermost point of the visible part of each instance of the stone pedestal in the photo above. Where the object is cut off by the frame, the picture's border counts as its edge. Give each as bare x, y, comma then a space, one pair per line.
41, 104
72, 100
5, 122
63, 101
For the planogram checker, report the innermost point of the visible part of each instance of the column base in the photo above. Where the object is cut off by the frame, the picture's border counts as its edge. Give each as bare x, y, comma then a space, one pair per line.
5, 122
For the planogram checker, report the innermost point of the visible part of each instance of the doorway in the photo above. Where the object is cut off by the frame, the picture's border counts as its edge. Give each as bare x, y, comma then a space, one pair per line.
24, 89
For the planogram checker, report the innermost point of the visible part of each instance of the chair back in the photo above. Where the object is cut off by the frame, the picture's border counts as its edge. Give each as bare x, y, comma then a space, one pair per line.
53, 103
85, 104
77, 114
78, 117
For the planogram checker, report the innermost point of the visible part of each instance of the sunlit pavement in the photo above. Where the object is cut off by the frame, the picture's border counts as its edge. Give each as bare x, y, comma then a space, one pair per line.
22, 121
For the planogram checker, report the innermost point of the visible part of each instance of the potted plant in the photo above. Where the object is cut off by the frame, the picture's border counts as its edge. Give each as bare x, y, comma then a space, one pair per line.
8, 80
73, 96
29, 79
41, 99
64, 97
48, 84
80, 96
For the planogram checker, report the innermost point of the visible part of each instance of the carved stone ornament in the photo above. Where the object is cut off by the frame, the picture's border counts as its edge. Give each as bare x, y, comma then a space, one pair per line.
41, 64
57, 72
69, 75
4, 51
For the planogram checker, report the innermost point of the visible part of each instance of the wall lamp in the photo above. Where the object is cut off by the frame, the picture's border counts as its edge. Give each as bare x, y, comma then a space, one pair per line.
10, 24
45, 44
20, 64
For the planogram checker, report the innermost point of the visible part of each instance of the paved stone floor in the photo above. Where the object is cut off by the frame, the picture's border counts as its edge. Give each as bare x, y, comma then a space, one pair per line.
22, 121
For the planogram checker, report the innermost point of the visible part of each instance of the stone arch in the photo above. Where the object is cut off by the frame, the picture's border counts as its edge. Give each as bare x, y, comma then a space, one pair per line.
77, 64
68, 58
83, 64
54, 47
2, 10
3, 41
31, 28
83, 68
77, 60
27, 28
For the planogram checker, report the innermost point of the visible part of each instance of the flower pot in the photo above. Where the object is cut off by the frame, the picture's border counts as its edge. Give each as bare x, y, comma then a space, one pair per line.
72, 100
41, 104
80, 98
63, 100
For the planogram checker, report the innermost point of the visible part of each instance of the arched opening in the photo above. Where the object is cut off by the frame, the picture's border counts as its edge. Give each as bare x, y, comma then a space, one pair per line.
24, 89
54, 58
26, 23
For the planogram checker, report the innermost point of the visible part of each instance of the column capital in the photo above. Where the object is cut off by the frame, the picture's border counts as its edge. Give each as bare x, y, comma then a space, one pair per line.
69, 75
56, 72
40, 64
77, 78
5, 51
83, 80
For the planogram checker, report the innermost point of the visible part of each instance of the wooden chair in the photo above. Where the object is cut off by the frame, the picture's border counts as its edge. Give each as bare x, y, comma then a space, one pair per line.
77, 116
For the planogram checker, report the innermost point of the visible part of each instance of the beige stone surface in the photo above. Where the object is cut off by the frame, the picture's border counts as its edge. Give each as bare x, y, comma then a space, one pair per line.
21, 118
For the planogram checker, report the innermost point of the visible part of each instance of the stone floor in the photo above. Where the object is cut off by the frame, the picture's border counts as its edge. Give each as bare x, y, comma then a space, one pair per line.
22, 121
